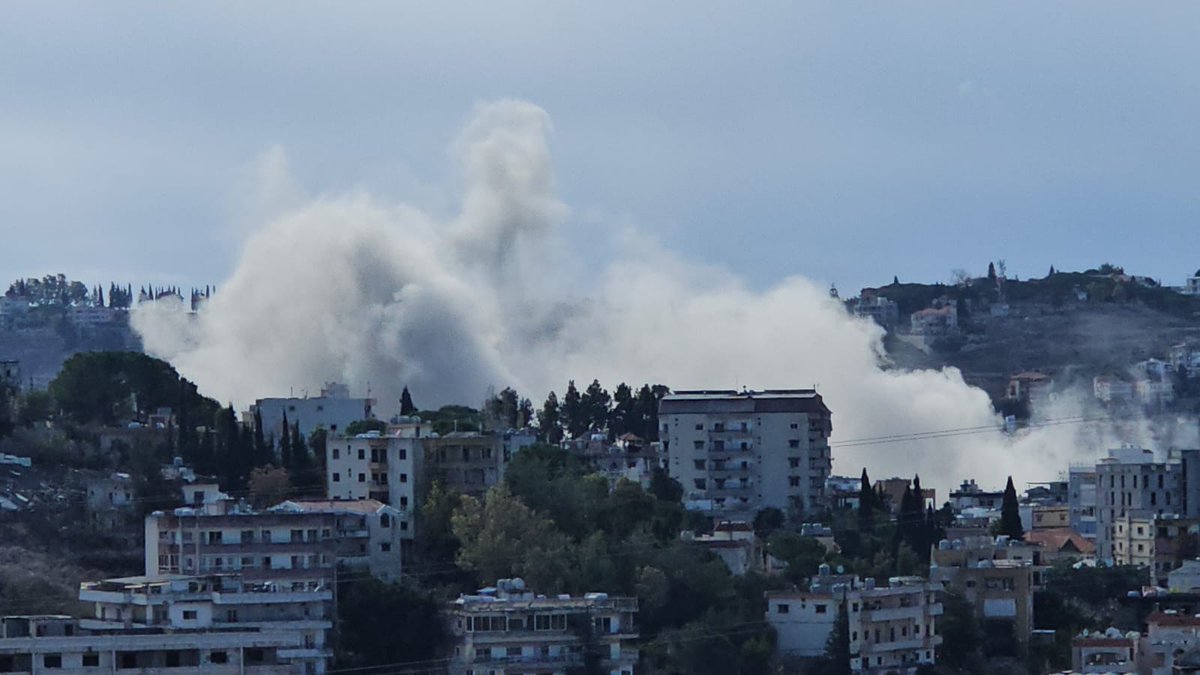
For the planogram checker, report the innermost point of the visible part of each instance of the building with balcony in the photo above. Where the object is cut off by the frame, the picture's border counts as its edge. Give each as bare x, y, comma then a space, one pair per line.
1081, 499
997, 576
893, 628
1109, 652
1130, 482
1153, 542
508, 629
216, 605
299, 543
738, 452
39, 644
332, 411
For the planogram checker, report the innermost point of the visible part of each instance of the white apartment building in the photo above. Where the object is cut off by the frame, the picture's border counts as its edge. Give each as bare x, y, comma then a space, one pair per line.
893, 628
1081, 499
299, 543
1130, 482
508, 630
55, 644
1111, 389
333, 411
213, 603
738, 452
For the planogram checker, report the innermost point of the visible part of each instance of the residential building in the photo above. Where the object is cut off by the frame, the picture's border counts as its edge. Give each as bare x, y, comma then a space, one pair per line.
1154, 393
736, 544
1061, 543
1189, 482
1030, 386
893, 628
997, 576
333, 411
877, 308
1192, 286
1185, 357
10, 374
299, 543
508, 629
893, 491
213, 603
471, 462
736, 452
109, 501
1081, 499
1169, 635
375, 466
1130, 481
1153, 541
970, 496
938, 321
1109, 652
1111, 389
38, 644
1056, 516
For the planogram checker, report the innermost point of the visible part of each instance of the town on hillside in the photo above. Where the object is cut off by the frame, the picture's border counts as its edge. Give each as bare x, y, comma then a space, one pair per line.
147, 527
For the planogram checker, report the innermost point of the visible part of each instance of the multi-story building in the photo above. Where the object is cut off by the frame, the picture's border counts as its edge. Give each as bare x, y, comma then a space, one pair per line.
1111, 389
110, 504
1081, 499
1110, 652
333, 411
877, 308
1168, 636
56, 644
378, 549
1189, 482
1130, 482
738, 452
1153, 542
970, 496
893, 628
998, 577
294, 543
508, 629
214, 603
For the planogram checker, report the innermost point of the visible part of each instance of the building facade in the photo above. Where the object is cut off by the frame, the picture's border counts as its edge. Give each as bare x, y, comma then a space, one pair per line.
892, 628
508, 629
1130, 482
333, 411
738, 452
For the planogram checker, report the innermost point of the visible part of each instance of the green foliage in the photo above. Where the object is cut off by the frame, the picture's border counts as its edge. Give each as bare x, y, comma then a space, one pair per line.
803, 555
362, 426
1010, 514
34, 406
114, 387
383, 623
406, 403
451, 418
961, 634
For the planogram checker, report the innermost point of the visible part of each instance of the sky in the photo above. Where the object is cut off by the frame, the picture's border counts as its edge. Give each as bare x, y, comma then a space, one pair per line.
844, 141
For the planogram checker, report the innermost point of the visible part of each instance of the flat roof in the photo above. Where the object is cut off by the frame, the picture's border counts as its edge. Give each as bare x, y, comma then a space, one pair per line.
706, 401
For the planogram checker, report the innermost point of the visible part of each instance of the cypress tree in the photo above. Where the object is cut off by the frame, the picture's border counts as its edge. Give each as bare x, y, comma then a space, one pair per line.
866, 505
285, 444
1010, 513
406, 403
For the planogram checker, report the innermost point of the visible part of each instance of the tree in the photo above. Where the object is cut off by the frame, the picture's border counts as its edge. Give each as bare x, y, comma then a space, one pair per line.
621, 420
407, 407
501, 537
595, 402
382, 624
991, 273
837, 648
961, 634
895, 281
574, 415
268, 486
866, 505
363, 426
1010, 513
768, 520
1051, 273
549, 424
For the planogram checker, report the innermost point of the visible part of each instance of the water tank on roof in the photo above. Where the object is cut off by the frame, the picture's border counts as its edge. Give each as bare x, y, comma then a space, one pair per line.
945, 545
518, 584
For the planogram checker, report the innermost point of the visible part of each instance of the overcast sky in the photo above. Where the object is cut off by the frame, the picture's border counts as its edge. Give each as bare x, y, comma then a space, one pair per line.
846, 142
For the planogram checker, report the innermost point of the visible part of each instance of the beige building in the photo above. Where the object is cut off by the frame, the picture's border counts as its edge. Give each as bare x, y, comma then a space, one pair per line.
892, 628
1130, 482
1152, 542
997, 576
738, 452
508, 630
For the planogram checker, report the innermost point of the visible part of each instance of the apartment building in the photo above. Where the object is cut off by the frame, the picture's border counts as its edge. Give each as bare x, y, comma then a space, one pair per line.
220, 604
1081, 499
998, 578
736, 452
109, 502
56, 644
369, 534
333, 411
1153, 542
1130, 482
508, 629
299, 544
893, 628
1108, 653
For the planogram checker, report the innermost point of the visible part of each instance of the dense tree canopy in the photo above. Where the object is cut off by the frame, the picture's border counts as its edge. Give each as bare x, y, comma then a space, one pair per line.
116, 387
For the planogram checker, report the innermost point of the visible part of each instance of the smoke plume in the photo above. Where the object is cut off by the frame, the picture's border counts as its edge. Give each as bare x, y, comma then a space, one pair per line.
352, 288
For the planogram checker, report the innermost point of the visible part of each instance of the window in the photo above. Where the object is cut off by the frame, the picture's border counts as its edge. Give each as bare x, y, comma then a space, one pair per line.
699, 483
128, 660
466, 454
793, 425
794, 462
820, 609
362, 453
52, 661
782, 608
699, 464
172, 659
403, 525
402, 453
385, 520
404, 502
794, 443
189, 615
337, 478
91, 660
699, 427
403, 478
794, 481
218, 657
385, 547
337, 453
362, 477
699, 445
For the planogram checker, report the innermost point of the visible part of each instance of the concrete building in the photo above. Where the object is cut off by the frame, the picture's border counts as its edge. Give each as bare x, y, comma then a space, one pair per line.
1130, 482
1189, 482
1081, 499
212, 603
471, 462
879, 309
109, 502
1185, 578
333, 411
970, 496
893, 628
10, 374
1112, 389
997, 576
1110, 652
375, 466
39, 644
1168, 636
934, 322
508, 629
293, 543
738, 452
1061, 544
1051, 517
1153, 542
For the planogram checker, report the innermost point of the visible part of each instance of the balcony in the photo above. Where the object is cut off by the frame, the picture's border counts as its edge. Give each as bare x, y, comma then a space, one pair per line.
893, 613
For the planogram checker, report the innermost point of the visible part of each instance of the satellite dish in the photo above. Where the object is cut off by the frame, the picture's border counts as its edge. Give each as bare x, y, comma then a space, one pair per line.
841, 569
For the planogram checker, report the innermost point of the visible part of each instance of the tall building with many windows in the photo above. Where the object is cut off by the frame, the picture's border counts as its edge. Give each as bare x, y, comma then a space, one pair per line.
736, 452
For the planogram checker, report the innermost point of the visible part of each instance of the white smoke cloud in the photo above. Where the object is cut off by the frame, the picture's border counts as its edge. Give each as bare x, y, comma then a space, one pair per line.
354, 289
